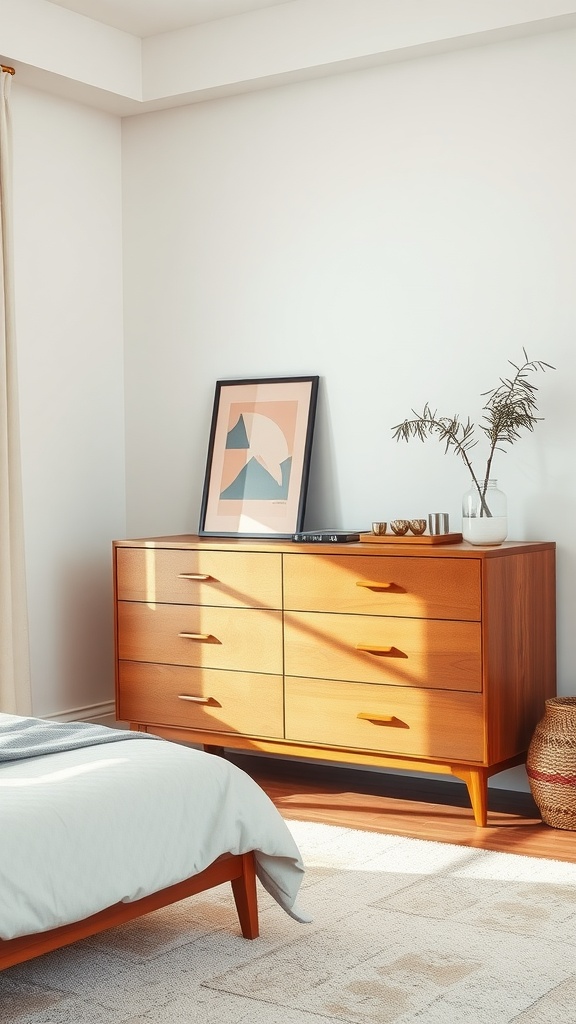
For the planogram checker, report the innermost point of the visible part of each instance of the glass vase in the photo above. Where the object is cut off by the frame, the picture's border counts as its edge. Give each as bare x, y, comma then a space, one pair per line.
484, 514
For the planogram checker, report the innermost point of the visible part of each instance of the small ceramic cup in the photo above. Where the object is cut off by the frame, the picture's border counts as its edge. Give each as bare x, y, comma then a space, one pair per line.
399, 527
417, 526
379, 529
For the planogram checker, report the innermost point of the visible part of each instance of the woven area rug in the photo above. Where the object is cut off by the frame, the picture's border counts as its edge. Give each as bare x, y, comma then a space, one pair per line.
404, 931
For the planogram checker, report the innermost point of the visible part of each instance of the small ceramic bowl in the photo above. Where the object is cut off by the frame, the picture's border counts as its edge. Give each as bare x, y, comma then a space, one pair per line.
379, 529
417, 526
399, 527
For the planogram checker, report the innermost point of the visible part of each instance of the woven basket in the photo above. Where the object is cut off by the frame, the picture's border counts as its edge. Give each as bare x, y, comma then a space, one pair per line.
551, 763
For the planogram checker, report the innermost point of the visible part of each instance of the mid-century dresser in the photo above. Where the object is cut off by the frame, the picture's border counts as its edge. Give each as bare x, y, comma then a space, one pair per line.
436, 658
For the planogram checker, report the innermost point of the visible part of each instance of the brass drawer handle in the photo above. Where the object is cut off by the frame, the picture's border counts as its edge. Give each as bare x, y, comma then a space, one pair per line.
202, 637
392, 720
202, 577
382, 652
367, 716
196, 700
374, 649
374, 584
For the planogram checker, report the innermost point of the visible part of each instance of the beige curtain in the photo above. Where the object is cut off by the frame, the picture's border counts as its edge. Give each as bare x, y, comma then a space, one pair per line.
14, 658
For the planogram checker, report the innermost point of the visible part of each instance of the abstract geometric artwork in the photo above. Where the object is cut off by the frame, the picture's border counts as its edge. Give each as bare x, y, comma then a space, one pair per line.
258, 457
259, 445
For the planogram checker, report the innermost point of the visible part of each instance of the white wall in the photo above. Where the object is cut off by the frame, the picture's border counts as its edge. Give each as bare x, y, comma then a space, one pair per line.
68, 223
402, 231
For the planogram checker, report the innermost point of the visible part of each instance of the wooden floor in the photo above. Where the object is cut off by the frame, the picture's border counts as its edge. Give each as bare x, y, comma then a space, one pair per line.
419, 808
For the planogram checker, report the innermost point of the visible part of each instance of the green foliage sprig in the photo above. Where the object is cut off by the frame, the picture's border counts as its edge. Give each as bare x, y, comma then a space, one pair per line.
509, 409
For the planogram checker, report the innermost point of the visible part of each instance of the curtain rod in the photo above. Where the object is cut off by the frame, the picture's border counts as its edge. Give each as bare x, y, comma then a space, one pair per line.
9, 71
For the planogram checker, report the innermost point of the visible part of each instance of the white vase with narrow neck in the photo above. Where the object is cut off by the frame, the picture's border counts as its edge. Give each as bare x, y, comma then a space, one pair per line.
484, 520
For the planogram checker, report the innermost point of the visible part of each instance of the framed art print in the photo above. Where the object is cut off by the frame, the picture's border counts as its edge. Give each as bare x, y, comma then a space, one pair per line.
259, 457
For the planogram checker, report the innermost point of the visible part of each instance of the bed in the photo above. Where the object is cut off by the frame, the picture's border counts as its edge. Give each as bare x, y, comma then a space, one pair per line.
98, 826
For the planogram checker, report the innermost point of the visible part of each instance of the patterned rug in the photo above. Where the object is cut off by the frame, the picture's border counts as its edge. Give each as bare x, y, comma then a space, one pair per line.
404, 931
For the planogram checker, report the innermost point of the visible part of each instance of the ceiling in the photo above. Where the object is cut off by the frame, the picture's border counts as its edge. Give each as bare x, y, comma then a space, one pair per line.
151, 17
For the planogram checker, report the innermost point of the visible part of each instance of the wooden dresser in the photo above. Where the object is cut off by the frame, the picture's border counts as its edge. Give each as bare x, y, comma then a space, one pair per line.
436, 658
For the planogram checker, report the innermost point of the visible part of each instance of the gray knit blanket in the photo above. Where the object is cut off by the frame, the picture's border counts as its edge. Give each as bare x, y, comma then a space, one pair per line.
32, 737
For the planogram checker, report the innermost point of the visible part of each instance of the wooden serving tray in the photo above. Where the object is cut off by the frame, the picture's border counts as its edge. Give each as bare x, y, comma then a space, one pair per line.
410, 538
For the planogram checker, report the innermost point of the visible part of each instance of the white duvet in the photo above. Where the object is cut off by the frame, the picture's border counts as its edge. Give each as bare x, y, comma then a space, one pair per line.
84, 829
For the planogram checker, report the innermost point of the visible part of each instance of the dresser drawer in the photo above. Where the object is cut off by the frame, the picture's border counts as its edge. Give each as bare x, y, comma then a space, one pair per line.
441, 588
223, 701
383, 649
245, 639
232, 579
415, 722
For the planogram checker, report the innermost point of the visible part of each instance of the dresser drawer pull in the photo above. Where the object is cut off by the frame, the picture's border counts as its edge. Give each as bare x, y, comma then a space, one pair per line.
385, 652
374, 584
197, 700
202, 577
203, 638
367, 716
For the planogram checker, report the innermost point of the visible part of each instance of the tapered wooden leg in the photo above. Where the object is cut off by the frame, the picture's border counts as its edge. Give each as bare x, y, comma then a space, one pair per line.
245, 897
476, 780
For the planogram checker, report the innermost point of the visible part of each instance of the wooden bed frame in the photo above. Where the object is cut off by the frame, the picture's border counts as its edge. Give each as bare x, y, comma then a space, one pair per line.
237, 869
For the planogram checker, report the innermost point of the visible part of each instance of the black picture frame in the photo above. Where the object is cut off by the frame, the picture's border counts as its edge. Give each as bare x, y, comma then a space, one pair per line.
258, 461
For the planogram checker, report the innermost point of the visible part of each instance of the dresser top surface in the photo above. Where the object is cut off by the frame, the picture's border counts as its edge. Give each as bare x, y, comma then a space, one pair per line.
393, 549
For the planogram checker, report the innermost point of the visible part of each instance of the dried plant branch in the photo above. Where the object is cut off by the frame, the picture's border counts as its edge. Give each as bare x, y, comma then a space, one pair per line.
509, 409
